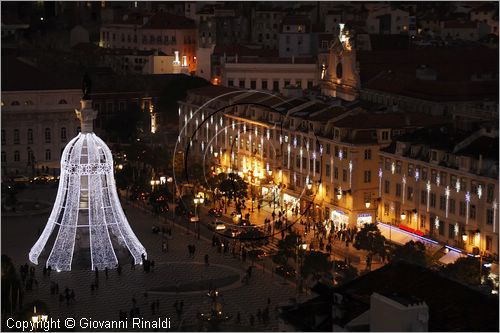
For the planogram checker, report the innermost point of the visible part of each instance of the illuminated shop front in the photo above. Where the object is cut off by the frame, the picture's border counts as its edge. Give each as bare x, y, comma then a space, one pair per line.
363, 218
338, 217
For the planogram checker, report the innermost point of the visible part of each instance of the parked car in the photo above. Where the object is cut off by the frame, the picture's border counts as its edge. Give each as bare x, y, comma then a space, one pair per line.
216, 226
215, 212
285, 271
232, 232
20, 179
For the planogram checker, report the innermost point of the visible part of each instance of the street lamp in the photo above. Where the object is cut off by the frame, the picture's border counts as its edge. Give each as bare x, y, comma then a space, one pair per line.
403, 216
38, 319
309, 185
367, 204
197, 200
303, 247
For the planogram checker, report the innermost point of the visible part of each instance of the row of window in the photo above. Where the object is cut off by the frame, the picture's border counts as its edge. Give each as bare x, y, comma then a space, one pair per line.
30, 157
158, 39
30, 137
265, 84
444, 178
30, 102
452, 232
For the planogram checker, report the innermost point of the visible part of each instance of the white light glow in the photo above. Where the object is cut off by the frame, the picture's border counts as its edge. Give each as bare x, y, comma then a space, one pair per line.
87, 211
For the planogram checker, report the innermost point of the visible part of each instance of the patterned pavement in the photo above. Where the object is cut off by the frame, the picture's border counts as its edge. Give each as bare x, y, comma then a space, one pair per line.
174, 267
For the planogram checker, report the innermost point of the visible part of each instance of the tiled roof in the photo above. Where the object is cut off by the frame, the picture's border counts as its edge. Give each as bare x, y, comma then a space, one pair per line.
164, 20
452, 306
485, 146
19, 75
441, 91
452, 64
389, 120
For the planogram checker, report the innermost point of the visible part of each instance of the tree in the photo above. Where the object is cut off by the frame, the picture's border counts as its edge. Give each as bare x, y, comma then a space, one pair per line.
370, 239
466, 269
413, 252
315, 263
233, 187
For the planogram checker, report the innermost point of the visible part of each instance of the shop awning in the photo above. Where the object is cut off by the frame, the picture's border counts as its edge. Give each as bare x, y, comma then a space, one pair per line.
450, 257
401, 237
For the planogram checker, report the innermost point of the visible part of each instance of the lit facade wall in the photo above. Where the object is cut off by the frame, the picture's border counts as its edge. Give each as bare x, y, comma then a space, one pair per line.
267, 76
248, 140
404, 188
36, 126
124, 36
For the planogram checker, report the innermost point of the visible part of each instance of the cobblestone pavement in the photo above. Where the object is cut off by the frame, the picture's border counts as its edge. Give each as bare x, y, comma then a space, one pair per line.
115, 293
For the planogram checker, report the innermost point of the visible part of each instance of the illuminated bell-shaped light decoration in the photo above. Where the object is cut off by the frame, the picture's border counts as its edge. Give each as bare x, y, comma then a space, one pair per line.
314, 155
417, 174
479, 191
380, 172
436, 222
341, 155
244, 128
393, 167
457, 186
256, 131
350, 166
456, 229
268, 134
87, 213
220, 121
320, 150
295, 142
307, 145
438, 180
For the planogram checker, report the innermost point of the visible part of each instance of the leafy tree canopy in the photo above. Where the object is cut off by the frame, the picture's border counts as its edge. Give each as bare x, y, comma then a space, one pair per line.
370, 239
413, 252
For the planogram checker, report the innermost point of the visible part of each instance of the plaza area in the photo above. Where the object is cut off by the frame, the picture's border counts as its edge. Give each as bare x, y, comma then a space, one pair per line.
177, 277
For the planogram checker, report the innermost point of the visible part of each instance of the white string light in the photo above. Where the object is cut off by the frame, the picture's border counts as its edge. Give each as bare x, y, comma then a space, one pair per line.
87, 206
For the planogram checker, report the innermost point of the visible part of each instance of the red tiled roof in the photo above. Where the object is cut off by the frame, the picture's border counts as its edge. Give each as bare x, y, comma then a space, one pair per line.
441, 91
452, 64
164, 20
389, 120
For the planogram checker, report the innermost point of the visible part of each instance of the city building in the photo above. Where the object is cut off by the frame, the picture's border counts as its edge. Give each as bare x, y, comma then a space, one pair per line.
310, 153
430, 80
127, 61
266, 25
415, 298
37, 118
294, 38
38, 115
443, 182
171, 34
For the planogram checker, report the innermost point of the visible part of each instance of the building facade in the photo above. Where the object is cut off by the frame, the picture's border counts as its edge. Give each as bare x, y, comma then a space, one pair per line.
162, 31
36, 126
307, 154
446, 190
